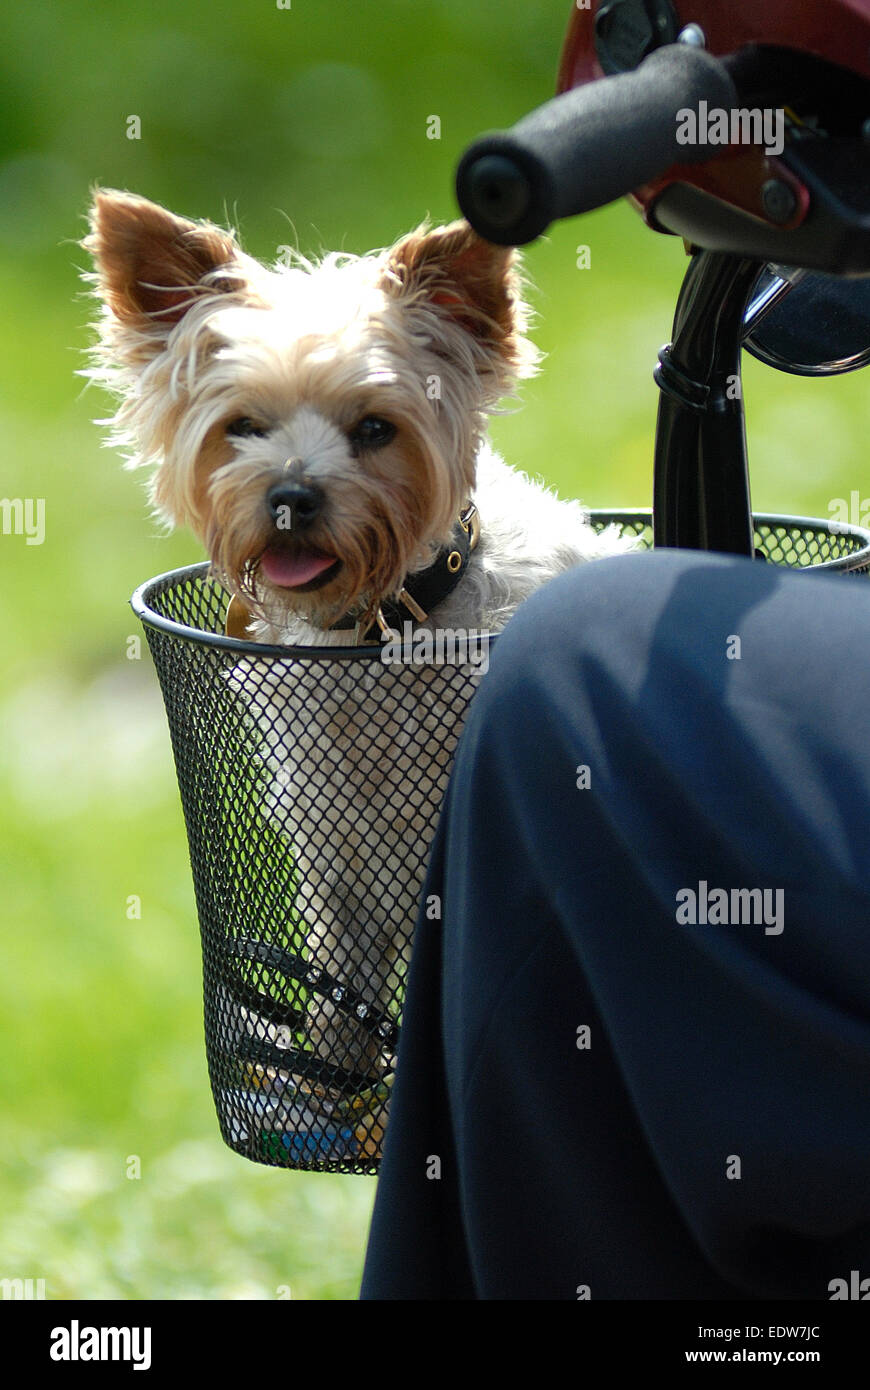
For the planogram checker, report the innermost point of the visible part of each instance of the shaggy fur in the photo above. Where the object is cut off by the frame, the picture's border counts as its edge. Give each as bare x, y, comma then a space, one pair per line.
428, 336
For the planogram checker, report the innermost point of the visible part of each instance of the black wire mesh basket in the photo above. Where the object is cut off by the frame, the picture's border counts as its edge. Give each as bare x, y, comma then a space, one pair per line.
311, 781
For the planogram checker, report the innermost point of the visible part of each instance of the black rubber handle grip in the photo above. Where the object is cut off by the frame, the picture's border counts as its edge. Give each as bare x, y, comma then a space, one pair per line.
589, 146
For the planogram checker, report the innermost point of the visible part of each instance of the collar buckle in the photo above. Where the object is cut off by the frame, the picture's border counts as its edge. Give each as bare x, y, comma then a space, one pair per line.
432, 585
469, 520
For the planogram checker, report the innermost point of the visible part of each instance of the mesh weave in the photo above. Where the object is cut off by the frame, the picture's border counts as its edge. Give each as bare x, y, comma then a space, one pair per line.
311, 781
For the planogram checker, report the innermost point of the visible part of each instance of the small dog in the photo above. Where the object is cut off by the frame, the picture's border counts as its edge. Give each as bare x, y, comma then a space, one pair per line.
322, 430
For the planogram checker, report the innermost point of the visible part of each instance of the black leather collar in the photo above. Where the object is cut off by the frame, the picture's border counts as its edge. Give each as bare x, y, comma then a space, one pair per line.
425, 589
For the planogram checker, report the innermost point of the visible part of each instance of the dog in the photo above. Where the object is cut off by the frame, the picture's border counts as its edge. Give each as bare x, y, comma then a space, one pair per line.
321, 428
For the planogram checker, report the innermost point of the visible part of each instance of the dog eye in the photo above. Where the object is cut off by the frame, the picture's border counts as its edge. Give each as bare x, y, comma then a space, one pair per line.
245, 427
372, 433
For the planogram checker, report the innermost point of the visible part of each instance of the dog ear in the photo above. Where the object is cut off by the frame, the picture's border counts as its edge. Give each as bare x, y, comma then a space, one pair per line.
151, 265
472, 282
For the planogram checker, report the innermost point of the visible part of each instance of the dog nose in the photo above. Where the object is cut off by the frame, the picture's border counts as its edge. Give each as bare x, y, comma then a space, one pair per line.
300, 503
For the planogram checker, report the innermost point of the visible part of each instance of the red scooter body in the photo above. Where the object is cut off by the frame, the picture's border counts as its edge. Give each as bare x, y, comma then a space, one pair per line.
837, 32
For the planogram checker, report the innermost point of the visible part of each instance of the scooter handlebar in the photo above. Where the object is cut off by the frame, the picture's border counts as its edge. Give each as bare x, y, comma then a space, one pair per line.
589, 146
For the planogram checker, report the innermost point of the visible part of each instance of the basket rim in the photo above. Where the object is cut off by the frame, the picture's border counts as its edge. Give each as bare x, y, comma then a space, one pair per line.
149, 618
139, 600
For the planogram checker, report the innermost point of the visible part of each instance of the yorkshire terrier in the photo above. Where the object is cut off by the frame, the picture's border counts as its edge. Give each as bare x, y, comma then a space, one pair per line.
321, 427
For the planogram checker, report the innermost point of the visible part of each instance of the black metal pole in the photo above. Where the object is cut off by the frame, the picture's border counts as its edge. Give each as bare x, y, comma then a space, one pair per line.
701, 490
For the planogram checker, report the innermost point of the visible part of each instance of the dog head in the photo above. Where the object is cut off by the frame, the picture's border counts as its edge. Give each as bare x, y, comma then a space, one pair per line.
315, 424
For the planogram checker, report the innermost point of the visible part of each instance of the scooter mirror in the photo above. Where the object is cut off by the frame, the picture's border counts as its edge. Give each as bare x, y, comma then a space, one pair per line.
810, 324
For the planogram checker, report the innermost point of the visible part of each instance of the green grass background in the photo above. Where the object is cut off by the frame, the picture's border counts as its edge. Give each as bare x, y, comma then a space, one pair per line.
303, 124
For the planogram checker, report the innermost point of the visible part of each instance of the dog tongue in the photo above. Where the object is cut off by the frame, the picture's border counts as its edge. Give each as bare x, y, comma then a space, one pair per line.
289, 571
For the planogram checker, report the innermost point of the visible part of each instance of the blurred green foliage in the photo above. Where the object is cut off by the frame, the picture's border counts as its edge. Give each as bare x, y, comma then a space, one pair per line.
303, 124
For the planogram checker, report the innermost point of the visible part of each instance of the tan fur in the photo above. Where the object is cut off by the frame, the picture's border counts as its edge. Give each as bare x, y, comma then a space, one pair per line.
428, 335
151, 262
194, 333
